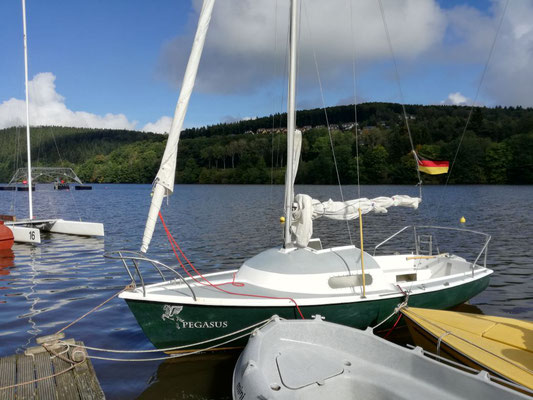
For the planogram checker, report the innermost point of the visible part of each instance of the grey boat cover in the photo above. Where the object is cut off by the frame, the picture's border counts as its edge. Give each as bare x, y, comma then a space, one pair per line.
313, 359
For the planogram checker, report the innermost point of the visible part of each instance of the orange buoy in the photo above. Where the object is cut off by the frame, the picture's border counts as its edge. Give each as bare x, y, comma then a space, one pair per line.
6, 237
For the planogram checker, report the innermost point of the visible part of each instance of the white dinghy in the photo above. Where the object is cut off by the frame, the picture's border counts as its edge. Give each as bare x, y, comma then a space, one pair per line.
28, 230
314, 359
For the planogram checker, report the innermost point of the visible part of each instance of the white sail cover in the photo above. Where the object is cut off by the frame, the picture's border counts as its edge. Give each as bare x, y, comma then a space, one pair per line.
306, 209
164, 180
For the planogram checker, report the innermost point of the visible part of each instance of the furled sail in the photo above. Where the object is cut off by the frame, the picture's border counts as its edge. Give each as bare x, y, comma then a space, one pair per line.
306, 209
164, 180
297, 149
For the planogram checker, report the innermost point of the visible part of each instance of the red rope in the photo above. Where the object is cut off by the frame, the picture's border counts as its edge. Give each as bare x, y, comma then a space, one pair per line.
175, 246
394, 326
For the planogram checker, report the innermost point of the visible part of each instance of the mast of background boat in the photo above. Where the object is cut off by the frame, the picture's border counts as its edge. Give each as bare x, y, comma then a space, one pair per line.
291, 121
164, 180
30, 200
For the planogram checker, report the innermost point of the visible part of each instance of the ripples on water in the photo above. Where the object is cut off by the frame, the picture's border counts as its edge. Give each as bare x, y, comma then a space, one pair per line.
44, 287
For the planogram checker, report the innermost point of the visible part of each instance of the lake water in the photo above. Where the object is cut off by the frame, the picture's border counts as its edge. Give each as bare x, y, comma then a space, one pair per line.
44, 287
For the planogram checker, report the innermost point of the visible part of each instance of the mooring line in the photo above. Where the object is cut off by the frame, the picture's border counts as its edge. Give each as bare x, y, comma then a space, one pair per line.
94, 309
257, 325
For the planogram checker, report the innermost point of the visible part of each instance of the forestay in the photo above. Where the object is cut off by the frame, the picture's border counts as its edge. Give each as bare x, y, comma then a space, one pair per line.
306, 209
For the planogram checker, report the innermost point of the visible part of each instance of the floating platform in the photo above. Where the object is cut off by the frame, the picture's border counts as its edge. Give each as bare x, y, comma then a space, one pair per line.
61, 186
8, 188
78, 382
83, 187
25, 189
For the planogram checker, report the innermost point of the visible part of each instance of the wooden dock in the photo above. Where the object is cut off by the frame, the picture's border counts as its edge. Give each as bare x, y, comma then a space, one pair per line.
78, 382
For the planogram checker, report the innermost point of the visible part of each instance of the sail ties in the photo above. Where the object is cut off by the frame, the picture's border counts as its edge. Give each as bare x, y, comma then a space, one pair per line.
307, 209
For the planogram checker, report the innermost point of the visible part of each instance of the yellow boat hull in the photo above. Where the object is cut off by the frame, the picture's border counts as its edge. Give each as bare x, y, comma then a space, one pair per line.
502, 346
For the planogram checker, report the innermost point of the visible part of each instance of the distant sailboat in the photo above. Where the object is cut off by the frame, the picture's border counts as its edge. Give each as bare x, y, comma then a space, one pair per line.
299, 279
29, 230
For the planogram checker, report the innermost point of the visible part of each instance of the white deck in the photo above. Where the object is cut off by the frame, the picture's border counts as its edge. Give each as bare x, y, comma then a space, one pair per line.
265, 280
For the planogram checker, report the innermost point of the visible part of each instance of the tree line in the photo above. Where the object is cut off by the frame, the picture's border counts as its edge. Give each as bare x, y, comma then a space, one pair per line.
496, 148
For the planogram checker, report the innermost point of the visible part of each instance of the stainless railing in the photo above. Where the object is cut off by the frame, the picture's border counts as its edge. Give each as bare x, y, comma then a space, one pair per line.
483, 251
136, 258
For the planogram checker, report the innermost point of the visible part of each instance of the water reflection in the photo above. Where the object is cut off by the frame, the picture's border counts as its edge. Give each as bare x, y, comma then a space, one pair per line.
7, 260
33, 295
205, 376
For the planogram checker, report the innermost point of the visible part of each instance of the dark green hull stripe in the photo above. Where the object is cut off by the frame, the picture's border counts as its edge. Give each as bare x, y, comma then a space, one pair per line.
169, 325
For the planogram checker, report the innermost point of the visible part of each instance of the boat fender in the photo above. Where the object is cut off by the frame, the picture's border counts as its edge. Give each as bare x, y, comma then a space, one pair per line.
6, 237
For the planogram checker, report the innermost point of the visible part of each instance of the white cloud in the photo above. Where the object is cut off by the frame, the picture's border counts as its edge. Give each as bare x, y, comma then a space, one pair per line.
246, 45
509, 77
246, 42
162, 125
456, 99
47, 107
229, 119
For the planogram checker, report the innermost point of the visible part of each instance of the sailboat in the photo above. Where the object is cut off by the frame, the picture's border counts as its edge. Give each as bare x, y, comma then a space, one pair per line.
29, 230
297, 279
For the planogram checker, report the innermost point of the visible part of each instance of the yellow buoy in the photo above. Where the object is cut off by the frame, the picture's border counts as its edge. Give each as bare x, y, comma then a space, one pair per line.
282, 219
462, 220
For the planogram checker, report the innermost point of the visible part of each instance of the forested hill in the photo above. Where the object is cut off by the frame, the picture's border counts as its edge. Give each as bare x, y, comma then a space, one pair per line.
497, 148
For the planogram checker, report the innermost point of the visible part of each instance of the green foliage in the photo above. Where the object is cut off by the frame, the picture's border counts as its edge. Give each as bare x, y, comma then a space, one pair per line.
84, 150
496, 149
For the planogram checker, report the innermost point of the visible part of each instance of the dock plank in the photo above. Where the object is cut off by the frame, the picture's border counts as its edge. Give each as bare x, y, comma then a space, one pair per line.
88, 386
66, 387
25, 373
77, 383
43, 368
8, 376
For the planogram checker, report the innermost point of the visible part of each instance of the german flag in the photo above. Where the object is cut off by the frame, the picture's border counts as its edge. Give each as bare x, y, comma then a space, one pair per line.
432, 167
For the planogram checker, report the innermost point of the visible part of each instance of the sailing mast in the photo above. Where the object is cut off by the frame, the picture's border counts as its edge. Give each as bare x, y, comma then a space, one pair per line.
28, 145
164, 180
291, 121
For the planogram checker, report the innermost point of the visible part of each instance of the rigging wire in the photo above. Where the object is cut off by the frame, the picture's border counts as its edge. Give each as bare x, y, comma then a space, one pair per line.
355, 100
352, 37
274, 103
485, 68
482, 77
483, 74
16, 164
326, 116
402, 103
402, 100
272, 133
57, 148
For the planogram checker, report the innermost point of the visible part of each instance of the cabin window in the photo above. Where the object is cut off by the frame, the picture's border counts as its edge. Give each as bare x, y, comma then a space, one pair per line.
346, 281
406, 278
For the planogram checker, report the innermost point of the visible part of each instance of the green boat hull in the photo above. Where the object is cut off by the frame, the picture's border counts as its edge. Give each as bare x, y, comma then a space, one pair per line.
172, 325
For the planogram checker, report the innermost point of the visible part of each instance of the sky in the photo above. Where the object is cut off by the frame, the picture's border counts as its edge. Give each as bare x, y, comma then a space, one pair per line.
119, 64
